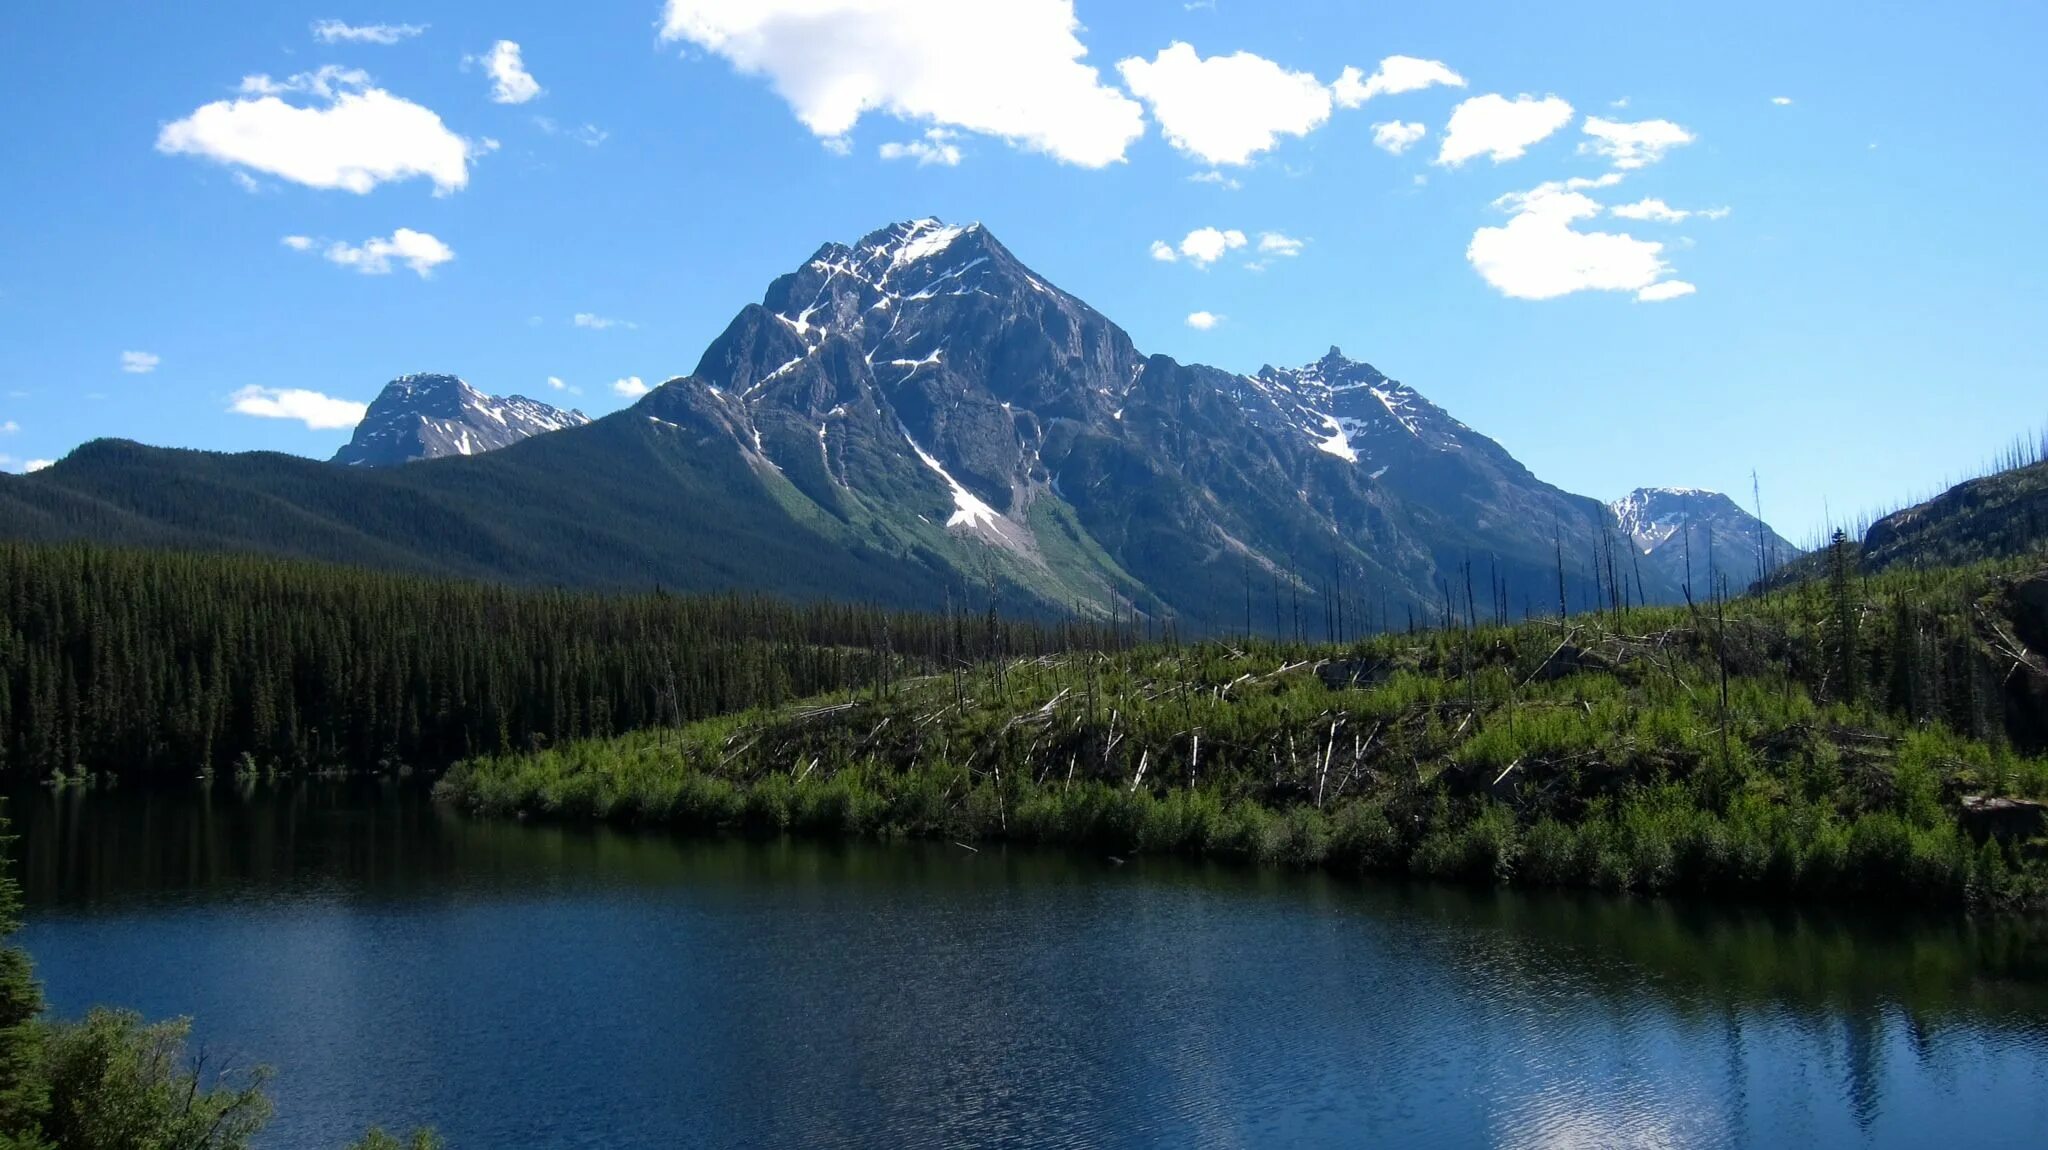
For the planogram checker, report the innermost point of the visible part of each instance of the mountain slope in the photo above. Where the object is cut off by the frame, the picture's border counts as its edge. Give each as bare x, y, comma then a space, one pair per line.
907, 417
1993, 517
428, 416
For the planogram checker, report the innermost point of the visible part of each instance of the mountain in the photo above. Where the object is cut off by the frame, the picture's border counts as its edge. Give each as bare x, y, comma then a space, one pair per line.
1723, 537
917, 416
428, 416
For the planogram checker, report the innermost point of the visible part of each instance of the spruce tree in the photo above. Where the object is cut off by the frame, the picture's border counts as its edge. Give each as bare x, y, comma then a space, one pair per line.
24, 1095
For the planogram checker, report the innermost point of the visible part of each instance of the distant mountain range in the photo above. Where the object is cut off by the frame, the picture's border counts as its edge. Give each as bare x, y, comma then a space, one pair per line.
428, 416
913, 417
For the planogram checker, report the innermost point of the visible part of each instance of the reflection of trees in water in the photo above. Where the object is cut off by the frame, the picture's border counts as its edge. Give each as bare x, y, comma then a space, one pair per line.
1772, 994
1584, 1016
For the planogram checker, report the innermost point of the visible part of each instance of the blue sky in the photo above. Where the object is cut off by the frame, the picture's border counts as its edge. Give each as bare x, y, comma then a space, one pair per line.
222, 189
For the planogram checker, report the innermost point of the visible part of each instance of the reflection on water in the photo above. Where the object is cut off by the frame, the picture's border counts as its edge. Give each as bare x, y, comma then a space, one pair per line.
527, 985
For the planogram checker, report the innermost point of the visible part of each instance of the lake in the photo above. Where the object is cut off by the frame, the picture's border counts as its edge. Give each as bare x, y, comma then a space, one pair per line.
520, 985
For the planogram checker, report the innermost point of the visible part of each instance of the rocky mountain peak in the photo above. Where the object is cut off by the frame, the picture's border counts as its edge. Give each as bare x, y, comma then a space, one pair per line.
1656, 520
428, 415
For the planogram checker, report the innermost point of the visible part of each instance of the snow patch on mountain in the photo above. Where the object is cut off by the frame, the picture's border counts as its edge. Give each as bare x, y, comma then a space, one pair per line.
426, 416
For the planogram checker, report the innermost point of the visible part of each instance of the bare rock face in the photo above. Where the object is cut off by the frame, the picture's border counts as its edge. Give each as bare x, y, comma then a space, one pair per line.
428, 416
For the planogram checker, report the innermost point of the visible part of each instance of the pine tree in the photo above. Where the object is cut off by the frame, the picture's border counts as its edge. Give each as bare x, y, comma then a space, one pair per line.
24, 1095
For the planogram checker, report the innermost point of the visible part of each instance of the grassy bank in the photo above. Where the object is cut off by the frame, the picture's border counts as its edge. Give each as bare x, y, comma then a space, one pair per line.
1815, 745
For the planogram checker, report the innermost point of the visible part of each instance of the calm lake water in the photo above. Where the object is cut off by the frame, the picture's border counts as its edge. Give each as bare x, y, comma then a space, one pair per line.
530, 986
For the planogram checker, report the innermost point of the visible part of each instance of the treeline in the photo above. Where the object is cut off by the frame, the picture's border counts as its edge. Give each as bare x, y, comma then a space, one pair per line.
148, 662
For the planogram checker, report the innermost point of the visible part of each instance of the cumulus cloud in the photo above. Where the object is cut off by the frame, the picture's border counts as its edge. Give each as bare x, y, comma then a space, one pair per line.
1396, 74
347, 135
1500, 128
1396, 137
1782, 101
630, 387
1164, 252
38, 464
937, 147
511, 83
1540, 254
10, 428
1011, 70
1630, 146
373, 257
599, 323
1225, 110
1207, 245
1204, 321
337, 32
1279, 244
139, 362
318, 412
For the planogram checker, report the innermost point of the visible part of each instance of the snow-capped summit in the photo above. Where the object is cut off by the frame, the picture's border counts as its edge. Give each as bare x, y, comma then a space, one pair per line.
1350, 410
1656, 520
425, 416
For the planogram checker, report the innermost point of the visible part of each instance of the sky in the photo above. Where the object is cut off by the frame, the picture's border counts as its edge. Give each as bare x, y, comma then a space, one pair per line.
1638, 244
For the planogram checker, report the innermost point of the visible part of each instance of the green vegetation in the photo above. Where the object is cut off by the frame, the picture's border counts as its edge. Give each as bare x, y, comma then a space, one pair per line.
1817, 743
142, 662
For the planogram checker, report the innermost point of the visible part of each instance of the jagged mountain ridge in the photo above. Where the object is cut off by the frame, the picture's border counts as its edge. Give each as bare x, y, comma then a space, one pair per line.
1723, 536
926, 357
923, 409
427, 416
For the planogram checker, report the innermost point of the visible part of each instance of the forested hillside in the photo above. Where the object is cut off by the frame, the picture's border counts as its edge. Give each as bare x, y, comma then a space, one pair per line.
163, 663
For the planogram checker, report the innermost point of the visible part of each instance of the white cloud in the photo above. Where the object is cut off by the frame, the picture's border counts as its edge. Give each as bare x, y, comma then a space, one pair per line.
353, 138
1503, 129
600, 323
139, 362
38, 464
555, 382
1396, 137
1212, 176
1396, 74
1225, 109
1782, 101
1204, 321
1012, 70
936, 147
416, 250
1205, 246
1631, 146
1539, 253
336, 32
10, 428
323, 82
318, 412
511, 83
1163, 252
1657, 211
630, 387
1279, 244
1667, 290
